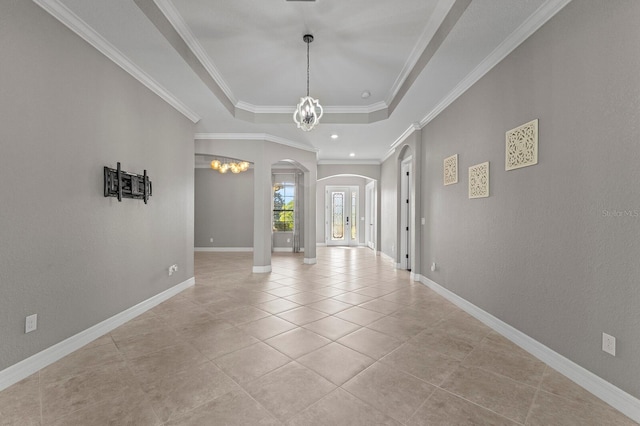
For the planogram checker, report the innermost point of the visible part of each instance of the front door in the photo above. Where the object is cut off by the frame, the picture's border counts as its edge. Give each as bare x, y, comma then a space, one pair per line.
341, 216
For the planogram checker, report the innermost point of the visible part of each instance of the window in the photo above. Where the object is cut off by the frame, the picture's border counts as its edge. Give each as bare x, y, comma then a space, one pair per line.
283, 206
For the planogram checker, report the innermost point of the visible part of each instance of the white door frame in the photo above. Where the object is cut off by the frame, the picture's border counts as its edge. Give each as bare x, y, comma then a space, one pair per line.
370, 215
406, 208
351, 216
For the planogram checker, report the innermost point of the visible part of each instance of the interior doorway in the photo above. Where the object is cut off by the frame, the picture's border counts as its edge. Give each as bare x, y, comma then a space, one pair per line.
406, 208
370, 215
341, 212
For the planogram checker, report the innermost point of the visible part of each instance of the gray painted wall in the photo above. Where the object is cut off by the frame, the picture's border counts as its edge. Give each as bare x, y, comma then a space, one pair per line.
223, 209
67, 253
554, 250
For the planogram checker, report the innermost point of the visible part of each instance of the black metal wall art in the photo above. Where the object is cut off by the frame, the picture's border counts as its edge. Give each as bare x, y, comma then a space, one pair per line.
121, 184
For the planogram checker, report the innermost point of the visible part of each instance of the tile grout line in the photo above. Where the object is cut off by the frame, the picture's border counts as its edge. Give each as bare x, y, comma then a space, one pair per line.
535, 396
40, 391
478, 405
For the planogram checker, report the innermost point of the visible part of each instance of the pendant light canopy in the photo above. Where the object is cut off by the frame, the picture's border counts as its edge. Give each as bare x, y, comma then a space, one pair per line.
309, 111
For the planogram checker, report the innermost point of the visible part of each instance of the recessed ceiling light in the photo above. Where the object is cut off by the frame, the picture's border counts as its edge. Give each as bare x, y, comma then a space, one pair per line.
353, 154
334, 136
365, 94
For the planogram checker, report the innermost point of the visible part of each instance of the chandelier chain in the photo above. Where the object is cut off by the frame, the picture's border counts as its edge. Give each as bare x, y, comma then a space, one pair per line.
308, 67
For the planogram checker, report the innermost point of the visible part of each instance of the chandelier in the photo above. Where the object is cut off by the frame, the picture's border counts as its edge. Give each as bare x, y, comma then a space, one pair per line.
224, 165
309, 111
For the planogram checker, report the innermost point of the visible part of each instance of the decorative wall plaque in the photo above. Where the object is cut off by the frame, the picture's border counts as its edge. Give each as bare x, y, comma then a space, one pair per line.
522, 146
451, 170
479, 180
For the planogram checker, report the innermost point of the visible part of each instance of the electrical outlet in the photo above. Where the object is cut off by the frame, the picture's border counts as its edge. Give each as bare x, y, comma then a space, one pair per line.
609, 344
211, 239
31, 323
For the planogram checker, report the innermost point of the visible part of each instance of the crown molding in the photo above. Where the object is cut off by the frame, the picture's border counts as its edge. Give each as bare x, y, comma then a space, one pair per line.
412, 128
72, 21
440, 13
173, 16
254, 137
330, 109
269, 109
545, 12
387, 155
349, 162
352, 109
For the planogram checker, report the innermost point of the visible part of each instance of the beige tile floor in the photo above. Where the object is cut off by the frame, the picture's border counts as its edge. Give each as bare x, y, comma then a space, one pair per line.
349, 341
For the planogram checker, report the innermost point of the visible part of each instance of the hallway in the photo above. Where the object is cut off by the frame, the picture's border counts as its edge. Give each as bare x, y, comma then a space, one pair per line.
348, 341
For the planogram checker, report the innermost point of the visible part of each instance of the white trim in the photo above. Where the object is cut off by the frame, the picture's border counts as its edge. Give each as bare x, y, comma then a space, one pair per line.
388, 155
612, 395
349, 162
328, 109
385, 256
261, 269
412, 128
224, 249
63, 14
173, 16
354, 109
310, 260
321, 244
254, 137
270, 109
524, 31
436, 19
508, 45
42, 359
283, 249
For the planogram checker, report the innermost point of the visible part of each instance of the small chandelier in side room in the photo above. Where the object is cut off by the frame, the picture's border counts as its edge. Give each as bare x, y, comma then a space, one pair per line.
224, 165
309, 111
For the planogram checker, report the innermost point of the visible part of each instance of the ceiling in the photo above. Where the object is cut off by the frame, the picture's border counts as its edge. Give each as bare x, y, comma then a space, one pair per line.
238, 68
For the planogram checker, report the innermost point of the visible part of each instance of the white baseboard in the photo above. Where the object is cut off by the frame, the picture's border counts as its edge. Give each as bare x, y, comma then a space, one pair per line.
283, 249
612, 395
223, 249
310, 260
321, 244
34, 363
261, 269
385, 256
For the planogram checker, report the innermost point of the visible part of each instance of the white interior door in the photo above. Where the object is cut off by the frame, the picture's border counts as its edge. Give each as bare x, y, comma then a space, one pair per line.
341, 213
